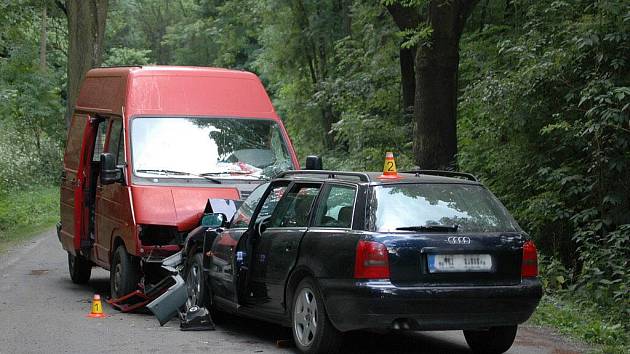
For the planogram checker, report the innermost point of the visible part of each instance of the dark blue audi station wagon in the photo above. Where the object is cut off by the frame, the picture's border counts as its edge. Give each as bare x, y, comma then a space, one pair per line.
327, 252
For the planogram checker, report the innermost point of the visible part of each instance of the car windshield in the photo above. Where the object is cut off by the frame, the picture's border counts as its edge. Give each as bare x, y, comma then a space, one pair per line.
188, 147
437, 208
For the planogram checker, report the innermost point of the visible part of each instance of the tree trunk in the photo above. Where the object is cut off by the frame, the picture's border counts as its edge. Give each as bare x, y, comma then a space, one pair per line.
86, 30
43, 34
406, 18
435, 112
408, 77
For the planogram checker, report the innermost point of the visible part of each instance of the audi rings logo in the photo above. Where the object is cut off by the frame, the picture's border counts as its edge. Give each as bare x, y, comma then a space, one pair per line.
458, 240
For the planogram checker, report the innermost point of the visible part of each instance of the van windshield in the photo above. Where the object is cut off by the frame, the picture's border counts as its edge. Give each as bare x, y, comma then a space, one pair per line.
208, 147
439, 207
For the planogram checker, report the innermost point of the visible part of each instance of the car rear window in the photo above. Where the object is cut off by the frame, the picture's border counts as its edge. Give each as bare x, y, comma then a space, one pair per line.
460, 207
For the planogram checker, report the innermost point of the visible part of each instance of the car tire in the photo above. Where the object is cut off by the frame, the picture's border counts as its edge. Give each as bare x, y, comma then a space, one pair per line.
124, 274
312, 330
495, 340
195, 282
80, 269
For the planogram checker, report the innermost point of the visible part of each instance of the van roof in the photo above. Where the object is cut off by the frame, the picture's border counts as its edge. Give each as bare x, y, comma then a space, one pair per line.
152, 70
174, 91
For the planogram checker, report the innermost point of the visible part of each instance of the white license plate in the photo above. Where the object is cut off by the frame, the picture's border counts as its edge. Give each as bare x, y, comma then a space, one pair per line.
460, 263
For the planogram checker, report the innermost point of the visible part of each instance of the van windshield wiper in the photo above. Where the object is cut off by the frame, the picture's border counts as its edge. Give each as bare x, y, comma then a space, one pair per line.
180, 173
243, 173
430, 228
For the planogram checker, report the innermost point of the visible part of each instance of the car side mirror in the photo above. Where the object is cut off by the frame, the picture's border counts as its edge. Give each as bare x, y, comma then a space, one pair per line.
314, 162
214, 220
110, 173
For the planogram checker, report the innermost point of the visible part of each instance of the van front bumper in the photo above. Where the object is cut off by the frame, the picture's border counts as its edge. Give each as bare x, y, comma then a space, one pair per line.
353, 305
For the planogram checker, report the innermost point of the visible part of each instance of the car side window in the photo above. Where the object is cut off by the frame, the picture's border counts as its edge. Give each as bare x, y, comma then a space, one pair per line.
272, 200
294, 208
336, 207
243, 215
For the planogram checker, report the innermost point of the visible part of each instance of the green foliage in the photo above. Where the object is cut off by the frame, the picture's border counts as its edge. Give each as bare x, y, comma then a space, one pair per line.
31, 120
25, 212
583, 321
544, 120
127, 57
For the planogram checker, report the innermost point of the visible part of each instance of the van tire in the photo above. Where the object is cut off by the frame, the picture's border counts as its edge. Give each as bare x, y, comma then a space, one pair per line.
80, 269
495, 340
124, 274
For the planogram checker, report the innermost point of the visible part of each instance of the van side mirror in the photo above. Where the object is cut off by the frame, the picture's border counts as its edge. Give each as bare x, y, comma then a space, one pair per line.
314, 162
110, 173
214, 220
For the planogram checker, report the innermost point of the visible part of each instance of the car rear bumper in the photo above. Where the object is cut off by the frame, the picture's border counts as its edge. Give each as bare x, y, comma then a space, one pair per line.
353, 305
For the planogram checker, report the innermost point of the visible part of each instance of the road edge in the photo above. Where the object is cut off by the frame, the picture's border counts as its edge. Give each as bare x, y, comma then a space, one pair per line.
11, 255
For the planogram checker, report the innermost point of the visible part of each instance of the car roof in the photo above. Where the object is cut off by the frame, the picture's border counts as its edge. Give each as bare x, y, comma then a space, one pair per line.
375, 178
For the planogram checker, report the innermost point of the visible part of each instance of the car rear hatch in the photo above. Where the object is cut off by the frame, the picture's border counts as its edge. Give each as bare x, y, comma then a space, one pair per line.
454, 259
445, 234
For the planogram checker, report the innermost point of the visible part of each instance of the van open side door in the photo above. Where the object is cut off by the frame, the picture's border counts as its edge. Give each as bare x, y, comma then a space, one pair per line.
75, 175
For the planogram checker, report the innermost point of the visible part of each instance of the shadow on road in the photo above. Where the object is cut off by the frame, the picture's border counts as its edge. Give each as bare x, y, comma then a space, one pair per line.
249, 330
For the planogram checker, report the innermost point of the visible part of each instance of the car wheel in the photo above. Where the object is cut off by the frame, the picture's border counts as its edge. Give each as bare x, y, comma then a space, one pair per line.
312, 330
124, 274
195, 282
495, 340
80, 269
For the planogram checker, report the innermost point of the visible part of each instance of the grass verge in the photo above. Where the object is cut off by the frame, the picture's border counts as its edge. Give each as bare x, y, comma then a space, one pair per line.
582, 322
24, 214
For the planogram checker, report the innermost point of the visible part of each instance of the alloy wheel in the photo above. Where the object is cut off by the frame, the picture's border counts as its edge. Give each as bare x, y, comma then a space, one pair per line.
193, 285
305, 317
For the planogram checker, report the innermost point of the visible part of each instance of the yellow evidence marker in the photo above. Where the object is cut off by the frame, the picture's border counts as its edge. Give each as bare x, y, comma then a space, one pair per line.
389, 168
97, 308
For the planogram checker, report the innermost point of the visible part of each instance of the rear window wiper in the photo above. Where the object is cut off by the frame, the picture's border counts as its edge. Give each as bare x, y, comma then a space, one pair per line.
180, 173
430, 228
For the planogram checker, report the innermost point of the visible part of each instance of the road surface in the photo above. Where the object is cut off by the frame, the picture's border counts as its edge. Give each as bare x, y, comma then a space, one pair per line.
42, 311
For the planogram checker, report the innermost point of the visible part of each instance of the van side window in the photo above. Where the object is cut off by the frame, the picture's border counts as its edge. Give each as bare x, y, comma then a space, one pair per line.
99, 144
116, 141
75, 141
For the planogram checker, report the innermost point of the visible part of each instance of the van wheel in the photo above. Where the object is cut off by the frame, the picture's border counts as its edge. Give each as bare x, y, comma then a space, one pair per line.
312, 330
195, 282
80, 269
495, 340
124, 274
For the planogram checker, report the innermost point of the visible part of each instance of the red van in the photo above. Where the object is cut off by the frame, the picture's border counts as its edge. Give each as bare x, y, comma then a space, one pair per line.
146, 148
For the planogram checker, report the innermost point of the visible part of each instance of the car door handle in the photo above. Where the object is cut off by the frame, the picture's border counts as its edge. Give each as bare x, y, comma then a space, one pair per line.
288, 249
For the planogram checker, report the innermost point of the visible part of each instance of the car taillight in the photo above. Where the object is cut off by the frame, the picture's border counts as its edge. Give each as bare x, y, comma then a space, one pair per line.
529, 268
372, 261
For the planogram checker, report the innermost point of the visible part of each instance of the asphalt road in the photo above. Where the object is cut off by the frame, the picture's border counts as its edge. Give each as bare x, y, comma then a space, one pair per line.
42, 311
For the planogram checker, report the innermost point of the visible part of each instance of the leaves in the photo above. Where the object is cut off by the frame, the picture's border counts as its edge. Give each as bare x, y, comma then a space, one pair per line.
544, 121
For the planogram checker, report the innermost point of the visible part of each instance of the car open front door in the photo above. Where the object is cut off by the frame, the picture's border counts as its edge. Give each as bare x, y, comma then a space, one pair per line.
276, 248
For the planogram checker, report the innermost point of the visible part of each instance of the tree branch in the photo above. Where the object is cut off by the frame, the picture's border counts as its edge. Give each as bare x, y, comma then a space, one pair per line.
404, 17
62, 6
